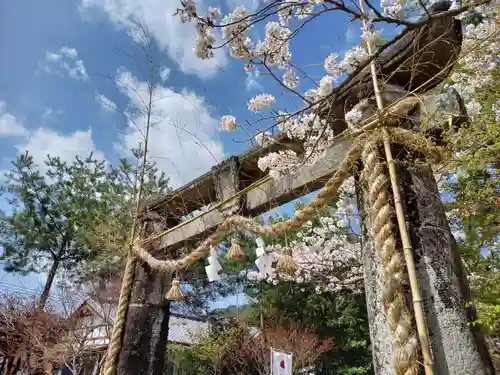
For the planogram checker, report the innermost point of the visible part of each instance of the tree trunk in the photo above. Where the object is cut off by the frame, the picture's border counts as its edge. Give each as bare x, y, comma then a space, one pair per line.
52, 273
457, 347
146, 332
17, 364
4, 363
8, 366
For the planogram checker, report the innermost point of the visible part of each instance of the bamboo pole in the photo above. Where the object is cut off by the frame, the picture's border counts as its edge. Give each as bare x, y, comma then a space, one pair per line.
115, 342
405, 238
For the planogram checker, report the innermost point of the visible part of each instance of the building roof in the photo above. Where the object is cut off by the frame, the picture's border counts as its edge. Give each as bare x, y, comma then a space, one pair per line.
183, 329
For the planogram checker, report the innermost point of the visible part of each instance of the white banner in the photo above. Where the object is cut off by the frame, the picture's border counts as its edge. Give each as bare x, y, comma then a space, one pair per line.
281, 363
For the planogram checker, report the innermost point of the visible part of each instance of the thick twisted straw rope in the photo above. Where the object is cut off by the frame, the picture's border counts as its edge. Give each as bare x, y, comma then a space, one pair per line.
412, 141
234, 223
392, 273
115, 342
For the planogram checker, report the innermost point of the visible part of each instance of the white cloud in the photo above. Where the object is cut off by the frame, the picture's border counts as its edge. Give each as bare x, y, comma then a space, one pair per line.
65, 61
158, 17
106, 103
164, 74
252, 81
184, 137
45, 141
10, 126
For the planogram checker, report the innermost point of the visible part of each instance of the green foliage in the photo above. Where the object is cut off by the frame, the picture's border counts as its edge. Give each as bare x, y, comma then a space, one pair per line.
73, 216
108, 233
49, 212
210, 355
473, 187
341, 317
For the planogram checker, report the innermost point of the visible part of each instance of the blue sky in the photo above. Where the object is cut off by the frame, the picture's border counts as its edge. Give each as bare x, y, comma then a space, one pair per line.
60, 61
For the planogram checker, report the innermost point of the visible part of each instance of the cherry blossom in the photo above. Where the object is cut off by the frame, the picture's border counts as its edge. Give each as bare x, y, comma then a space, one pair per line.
204, 42
291, 79
325, 253
214, 13
353, 117
261, 102
278, 163
478, 63
354, 58
282, 20
228, 123
285, 12
325, 86
235, 33
332, 65
277, 50
312, 132
392, 8
188, 11
371, 35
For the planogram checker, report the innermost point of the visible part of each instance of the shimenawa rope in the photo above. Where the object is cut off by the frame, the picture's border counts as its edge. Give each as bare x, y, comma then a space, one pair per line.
412, 141
392, 273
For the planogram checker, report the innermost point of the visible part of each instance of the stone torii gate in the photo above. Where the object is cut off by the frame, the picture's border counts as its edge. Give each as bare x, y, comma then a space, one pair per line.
417, 62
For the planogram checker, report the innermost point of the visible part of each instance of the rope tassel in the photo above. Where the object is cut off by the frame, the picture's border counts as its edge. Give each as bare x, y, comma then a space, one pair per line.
236, 252
175, 293
286, 264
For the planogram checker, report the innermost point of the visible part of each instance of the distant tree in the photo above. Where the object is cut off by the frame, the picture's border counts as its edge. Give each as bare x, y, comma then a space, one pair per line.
74, 216
28, 336
233, 349
109, 231
49, 211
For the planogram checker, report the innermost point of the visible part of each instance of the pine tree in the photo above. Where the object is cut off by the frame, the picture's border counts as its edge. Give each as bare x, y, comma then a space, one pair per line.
49, 210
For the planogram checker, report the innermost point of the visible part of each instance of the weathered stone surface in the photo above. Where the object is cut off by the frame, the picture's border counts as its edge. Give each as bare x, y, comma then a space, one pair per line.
146, 331
261, 199
226, 181
457, 347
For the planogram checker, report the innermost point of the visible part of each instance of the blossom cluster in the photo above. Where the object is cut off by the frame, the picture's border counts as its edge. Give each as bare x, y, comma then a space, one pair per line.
481, 51
274, 50
228, 123
235, 33
279, 163
314, 135
261, 102
392, 8
325, 254
275, 47
305, 127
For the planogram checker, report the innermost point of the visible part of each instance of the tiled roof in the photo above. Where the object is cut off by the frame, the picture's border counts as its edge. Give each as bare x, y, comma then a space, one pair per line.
105, 310
182, 329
